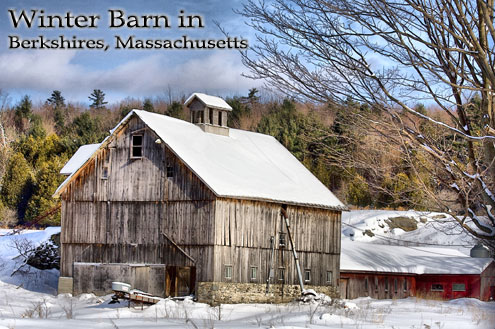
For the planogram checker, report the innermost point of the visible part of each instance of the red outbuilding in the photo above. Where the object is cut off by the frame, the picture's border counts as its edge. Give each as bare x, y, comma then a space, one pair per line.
385, 271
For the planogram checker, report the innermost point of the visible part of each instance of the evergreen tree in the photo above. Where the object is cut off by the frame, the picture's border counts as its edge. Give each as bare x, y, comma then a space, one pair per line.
17, 184
175, 110
148, 105
23, 113
97, 98
238, 111
56, 99
48, 179
86, 129
36, 129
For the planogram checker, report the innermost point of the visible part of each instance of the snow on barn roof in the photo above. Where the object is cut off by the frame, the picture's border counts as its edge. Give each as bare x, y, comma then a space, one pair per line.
210, 101
81, 155
244, 165
367, 257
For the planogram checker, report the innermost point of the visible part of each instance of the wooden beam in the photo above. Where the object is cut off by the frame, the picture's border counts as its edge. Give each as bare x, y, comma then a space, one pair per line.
179, 248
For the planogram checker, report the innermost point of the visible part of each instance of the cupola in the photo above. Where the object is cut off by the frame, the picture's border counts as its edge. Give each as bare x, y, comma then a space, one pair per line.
209, 113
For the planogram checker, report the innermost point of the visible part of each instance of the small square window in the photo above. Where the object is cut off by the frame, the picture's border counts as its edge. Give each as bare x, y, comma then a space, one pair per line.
437, 287
137, 146
458, 287
228, 271
253, 272
329, 277
281, 274
307, 275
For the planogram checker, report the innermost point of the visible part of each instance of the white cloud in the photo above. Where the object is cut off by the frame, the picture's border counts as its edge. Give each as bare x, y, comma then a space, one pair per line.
44, 71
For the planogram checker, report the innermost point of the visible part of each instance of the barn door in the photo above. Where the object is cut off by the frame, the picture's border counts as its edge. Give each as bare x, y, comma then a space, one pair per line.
343, 288
180, 280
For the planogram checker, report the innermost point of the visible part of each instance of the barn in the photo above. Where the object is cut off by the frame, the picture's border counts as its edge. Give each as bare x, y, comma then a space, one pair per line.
388, 272
177, 208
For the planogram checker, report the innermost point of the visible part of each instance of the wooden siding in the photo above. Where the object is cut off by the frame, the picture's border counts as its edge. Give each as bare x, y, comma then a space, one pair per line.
242, 240
143, 179
122, 219
488, 283
353, 285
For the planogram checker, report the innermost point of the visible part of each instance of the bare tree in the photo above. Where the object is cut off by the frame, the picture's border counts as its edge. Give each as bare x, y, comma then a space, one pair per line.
392, 55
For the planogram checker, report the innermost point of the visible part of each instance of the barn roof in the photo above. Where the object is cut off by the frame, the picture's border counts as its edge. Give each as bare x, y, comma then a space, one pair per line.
244, 165
210, 101
367, 257
81, 155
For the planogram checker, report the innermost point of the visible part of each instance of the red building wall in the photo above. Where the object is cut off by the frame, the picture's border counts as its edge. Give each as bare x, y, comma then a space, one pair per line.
427, 285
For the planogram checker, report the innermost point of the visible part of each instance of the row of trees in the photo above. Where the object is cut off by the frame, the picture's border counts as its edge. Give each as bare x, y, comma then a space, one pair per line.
42, 139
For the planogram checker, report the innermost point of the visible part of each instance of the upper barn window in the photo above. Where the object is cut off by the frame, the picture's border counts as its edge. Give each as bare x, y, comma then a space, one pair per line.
137, 146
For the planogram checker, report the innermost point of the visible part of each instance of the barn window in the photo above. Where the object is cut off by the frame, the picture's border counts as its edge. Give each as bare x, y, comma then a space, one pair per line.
437, 287
405, 284
281, 239
386, 284
366, 284
228, 271
376, 284
396, 285
329, 277
281, 274
104, 172
307, 275
220, 118
458, 287
170, 170
137, 146
253, 272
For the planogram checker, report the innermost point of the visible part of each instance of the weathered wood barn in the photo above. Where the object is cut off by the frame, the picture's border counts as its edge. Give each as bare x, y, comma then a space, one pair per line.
389, 272
175, 207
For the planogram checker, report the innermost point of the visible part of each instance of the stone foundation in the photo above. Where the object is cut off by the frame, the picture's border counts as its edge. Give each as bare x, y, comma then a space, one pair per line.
235, 293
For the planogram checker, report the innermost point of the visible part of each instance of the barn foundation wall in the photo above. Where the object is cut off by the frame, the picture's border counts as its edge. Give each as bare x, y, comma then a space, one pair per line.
235, 293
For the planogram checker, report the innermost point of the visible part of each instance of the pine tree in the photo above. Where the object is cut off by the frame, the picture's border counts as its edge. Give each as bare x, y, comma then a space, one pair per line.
148, 105
17, 184
175, 110
98, 99
23, 113
47, 181
56, 99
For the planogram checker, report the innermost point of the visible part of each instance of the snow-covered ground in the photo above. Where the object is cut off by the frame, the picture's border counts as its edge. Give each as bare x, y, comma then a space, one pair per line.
29, 300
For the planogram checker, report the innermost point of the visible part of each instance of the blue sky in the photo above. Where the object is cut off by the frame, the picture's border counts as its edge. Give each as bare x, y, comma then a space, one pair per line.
123, 73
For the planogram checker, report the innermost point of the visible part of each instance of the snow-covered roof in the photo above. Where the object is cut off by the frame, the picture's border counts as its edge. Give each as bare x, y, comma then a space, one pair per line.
244, 165
362, 256
210, 101
80, 157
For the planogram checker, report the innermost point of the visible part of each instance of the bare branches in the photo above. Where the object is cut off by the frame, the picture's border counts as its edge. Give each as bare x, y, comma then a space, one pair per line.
390, 55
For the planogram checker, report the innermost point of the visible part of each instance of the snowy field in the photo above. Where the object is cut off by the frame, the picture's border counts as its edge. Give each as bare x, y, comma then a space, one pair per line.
28, 299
